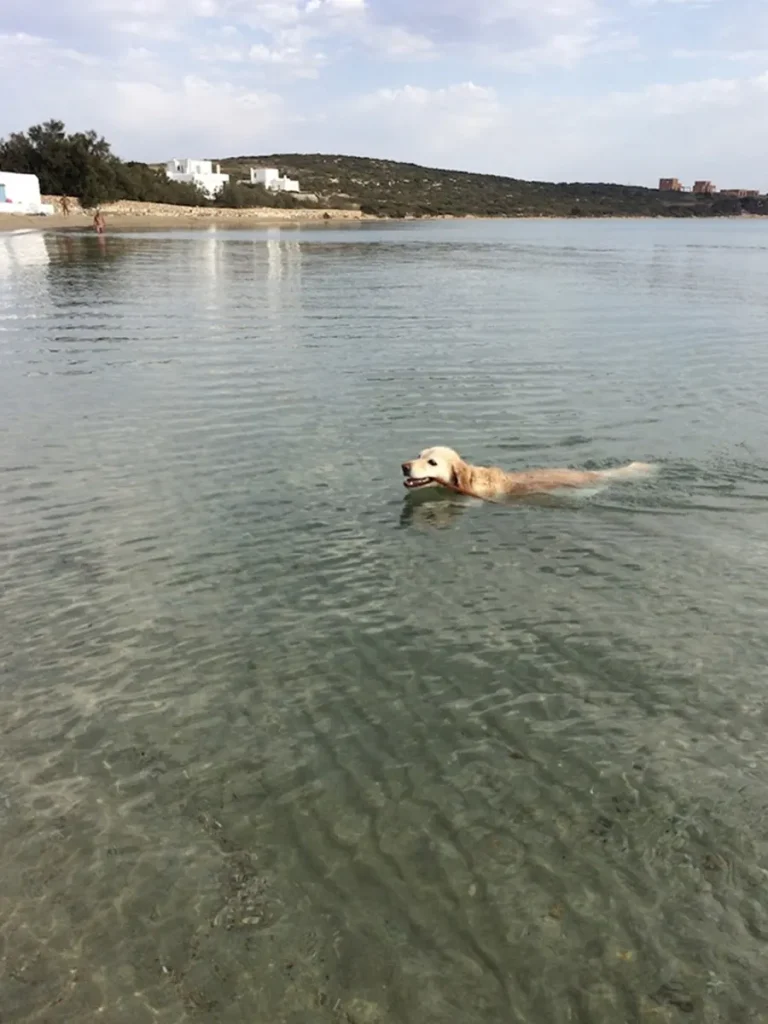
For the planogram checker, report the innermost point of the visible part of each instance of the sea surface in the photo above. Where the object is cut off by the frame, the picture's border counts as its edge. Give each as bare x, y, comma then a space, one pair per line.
281, 744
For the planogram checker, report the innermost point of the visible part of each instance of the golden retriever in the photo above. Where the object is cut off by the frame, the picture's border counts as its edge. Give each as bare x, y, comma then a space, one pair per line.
443, 467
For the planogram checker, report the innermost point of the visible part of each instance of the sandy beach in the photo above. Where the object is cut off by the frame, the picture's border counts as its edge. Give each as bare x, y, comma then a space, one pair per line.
127, 215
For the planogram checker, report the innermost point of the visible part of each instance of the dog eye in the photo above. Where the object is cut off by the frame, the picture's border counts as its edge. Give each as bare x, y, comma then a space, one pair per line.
431, 462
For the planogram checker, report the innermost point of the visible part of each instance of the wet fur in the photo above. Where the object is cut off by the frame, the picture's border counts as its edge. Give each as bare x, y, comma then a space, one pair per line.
491, 483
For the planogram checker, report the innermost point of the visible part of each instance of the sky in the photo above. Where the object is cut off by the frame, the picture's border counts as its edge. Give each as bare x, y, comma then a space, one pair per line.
554, 90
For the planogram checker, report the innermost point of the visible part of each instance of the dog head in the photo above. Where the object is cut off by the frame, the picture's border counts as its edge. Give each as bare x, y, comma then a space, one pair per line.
434, 467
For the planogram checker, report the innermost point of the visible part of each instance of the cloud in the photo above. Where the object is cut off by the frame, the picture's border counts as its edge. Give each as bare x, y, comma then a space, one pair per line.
398, 43
491, 12
522, 32
446, 118
683, 53
195, 109
36, 52
145, 111
347, 5
625, 136
522, 36
557, 89
565, 50
679, 3
293, 58
220, 53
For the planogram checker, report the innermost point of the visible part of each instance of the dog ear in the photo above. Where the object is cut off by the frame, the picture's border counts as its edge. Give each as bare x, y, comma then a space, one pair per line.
460, 477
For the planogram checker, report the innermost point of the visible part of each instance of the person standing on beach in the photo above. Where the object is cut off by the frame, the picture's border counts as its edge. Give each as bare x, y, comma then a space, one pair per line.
65, 205
98, 223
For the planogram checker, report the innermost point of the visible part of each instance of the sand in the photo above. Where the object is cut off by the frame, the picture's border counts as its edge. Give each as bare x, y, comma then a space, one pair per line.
132, 216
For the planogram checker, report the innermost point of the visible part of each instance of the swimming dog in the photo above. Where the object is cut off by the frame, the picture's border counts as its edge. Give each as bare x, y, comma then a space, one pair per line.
443, 467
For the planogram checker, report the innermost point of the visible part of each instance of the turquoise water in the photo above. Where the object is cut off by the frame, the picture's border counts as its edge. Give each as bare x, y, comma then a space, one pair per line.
279, 743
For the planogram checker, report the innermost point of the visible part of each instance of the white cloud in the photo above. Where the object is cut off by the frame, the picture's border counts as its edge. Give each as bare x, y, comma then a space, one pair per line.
157, 20
566, 50
662, 101
195, 113
631, 136
29, 52
683, 53
412, 96
268, 16
517, 35
397, 43
220, 53
222, 76
444, 119
470, 19
291, 56
679, 3
491, 12
145, 111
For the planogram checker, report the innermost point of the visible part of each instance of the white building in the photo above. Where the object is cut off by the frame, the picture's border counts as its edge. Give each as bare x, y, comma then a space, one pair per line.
197, 172
270, 178
20, 193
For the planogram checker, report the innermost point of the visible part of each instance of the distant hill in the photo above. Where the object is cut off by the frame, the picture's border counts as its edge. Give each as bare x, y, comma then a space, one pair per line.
393, 189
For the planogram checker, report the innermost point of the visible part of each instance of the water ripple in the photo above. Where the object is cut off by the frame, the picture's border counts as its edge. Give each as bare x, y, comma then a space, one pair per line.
281, 744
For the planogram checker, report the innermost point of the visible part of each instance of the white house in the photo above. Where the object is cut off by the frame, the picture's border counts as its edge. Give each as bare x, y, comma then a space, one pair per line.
20, 193
270, 178
197, 172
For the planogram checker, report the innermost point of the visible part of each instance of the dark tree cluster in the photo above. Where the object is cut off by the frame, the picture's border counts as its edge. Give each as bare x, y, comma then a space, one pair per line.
83, 165
239, 195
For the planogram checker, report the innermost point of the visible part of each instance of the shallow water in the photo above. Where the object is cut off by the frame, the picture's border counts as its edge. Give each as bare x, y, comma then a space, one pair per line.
281, 744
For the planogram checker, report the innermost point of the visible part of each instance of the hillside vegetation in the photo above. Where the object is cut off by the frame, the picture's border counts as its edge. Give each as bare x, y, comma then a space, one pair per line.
389, 188
82, 164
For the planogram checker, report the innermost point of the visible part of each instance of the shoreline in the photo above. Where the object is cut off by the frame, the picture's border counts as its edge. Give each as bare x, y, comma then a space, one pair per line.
124, 222
128, 215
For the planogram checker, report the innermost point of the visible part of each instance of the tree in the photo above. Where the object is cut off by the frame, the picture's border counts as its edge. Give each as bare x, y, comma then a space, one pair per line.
79, 165
82, 164
233, 196
237, 195
150, 185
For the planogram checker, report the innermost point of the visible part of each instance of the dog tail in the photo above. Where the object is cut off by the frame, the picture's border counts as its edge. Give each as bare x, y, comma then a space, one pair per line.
632, 471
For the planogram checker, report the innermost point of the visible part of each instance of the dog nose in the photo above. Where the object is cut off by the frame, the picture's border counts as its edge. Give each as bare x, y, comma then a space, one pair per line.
406, 468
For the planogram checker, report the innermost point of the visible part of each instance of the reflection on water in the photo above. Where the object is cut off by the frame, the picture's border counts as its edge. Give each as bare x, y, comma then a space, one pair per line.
21, 249
281, 743
426, 510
